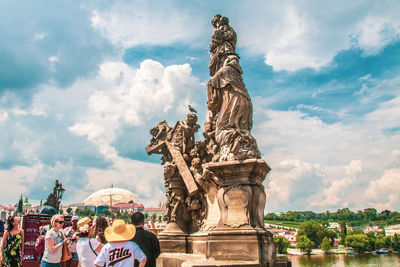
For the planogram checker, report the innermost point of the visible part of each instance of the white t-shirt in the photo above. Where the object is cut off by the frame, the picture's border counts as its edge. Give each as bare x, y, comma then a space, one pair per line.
120, 254
85, 253
53, 257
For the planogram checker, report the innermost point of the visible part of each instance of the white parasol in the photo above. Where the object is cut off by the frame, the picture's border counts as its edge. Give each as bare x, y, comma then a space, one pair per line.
109, 196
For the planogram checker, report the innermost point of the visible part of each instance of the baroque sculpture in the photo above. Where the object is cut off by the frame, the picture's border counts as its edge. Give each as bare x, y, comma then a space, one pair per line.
215, 197
54, 198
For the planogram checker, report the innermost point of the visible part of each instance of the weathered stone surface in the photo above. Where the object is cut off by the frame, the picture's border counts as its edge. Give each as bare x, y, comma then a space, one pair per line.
215, 196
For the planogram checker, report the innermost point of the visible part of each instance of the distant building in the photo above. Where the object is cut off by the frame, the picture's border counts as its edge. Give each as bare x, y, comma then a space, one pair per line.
6, 211
289, 235
336, 226
374, 229
333, 226
155, 212
393, 229
128, 207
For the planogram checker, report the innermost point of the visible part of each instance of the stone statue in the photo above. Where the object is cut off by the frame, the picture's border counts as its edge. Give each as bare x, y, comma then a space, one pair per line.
230, 112
214, 186
54, 198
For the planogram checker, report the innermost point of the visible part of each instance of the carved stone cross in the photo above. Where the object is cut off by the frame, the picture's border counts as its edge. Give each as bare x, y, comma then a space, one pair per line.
180, 163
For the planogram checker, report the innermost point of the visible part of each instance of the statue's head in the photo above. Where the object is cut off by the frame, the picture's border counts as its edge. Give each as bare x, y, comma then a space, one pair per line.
154, 131
215, 20
191, 119
169, 170
196, 163
223, 21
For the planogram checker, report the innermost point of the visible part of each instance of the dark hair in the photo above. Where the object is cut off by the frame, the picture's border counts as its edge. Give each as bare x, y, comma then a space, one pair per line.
10, 223
74, 225
137, 218
101, 225
82, 234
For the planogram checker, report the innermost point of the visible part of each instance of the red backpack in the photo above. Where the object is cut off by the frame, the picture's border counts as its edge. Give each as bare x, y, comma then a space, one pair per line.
39, 245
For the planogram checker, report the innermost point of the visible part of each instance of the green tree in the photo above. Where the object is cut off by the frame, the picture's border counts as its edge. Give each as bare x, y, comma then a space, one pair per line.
395, 243
380, 242
105, 212
388, 242
356, 232
359, 242
281, 244
326, 244
153, 217
371, 241
20, 210
343, 232
370, 214
305, 244
69, 210
332, 235
313, 231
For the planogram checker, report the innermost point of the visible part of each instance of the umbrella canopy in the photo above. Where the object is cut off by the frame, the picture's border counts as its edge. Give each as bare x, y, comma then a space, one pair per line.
49, 210
109, 196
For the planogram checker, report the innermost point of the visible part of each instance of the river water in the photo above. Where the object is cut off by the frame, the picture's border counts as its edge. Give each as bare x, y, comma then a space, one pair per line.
339, 260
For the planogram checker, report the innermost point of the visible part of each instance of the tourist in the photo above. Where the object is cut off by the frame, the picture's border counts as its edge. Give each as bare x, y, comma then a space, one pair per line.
147, 241
70, 233
120, 251
1, 229
40, 243
55, 240
101, 225
87, 248
12, 245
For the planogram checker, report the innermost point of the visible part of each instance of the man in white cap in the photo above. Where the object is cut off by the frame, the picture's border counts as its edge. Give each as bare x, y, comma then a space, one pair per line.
120, 251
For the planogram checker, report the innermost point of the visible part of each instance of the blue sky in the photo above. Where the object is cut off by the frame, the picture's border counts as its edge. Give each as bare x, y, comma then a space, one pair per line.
82, 82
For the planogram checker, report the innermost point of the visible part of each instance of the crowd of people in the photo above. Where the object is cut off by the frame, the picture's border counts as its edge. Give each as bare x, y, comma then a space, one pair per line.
90, 243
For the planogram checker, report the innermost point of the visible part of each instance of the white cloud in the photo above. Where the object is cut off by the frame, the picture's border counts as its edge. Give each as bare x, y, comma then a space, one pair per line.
384, 190
3, 116
40, 36
374, 33
141, 22
287, 186
134, 97
332, 165
16, 180
53, 60
291, 35
339, 191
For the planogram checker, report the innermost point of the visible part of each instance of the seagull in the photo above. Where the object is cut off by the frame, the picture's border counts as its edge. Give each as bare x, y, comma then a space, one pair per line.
192, 109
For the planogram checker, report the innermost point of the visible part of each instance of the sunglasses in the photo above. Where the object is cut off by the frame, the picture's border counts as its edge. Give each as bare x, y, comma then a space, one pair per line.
60, 222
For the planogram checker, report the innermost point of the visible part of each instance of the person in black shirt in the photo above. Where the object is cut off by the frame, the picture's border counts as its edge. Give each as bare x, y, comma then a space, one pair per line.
147, 241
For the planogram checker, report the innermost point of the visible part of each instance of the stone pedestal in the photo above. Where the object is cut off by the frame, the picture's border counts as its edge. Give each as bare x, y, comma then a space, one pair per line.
241, 195
234, 231
173, 242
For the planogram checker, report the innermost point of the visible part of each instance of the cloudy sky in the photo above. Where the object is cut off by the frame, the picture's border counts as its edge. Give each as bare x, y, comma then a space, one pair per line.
81, 84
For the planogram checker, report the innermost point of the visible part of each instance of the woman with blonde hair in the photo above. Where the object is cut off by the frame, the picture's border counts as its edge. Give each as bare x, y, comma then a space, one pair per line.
55, 240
